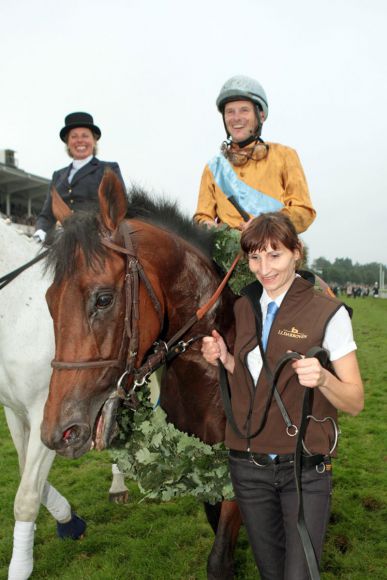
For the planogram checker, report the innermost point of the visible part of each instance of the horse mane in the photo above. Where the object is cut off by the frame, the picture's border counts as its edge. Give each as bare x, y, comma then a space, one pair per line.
166, 214
83, 230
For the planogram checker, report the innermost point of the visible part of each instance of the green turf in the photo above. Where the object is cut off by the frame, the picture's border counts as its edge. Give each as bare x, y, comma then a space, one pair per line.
149, 540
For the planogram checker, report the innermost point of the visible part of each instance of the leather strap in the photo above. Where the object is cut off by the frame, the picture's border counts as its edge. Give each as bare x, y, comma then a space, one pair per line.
317, 352
307, 545
7, 278
226, 397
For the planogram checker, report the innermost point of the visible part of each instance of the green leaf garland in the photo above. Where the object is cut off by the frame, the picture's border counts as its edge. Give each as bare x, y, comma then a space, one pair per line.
226, 248
167, 463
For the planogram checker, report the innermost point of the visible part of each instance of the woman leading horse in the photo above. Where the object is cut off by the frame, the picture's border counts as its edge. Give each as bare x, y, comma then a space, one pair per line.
278, 314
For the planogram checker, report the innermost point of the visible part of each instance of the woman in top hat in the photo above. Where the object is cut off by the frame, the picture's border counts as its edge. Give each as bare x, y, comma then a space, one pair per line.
78, 183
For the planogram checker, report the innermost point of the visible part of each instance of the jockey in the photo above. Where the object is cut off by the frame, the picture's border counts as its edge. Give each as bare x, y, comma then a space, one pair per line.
249, 176
78, 183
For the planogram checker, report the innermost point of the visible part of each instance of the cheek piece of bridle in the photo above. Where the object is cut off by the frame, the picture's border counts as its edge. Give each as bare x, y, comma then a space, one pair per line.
163, 351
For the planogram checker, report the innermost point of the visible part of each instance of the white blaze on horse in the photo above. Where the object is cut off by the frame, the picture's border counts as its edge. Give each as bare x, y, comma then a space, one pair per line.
26, 350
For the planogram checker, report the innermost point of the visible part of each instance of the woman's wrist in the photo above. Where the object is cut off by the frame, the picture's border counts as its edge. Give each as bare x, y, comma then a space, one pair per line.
228, 362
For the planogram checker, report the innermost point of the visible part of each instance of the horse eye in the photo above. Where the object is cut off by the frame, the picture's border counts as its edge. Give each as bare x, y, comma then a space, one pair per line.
104, 300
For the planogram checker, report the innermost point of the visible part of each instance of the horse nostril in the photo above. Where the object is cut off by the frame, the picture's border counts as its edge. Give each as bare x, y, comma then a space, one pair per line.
71, 434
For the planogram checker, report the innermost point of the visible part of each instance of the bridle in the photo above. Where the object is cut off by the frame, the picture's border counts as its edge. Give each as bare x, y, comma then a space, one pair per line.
163, 351
134, 272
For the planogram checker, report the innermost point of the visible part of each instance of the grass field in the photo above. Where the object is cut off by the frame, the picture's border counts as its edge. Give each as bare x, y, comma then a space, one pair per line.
153, 541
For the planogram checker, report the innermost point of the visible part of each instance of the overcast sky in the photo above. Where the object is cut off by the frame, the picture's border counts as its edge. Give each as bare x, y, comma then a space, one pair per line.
149, 72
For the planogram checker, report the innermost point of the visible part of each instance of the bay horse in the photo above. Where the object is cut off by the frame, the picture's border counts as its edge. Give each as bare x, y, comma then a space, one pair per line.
121, 283
26, 349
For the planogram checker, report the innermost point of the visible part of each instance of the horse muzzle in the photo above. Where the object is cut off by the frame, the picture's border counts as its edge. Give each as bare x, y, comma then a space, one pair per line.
71, 440
78, 435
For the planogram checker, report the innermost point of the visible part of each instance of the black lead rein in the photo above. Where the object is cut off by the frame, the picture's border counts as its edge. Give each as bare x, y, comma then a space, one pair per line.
317, 352
4, 280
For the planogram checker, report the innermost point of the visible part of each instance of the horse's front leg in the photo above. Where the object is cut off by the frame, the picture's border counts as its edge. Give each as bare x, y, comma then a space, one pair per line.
221, 559
35, 461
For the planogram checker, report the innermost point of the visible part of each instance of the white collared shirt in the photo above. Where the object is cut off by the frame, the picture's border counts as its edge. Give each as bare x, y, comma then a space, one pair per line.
338, 338
76, 166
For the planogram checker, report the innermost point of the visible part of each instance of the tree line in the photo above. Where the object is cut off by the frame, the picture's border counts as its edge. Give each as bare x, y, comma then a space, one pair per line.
342, 271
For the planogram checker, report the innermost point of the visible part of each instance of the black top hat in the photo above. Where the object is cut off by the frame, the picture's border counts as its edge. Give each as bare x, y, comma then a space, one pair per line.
74, 120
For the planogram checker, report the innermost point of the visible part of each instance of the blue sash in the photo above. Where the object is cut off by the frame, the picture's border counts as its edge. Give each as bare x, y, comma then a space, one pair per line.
251, 200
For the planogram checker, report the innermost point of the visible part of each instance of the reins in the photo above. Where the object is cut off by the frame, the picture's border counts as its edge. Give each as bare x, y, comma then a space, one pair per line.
165, 352
4, 280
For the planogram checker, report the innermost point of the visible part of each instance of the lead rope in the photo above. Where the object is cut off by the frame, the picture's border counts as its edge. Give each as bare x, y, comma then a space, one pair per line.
310, 554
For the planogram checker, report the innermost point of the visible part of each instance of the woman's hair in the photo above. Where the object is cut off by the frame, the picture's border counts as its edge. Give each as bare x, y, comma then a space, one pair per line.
270, 228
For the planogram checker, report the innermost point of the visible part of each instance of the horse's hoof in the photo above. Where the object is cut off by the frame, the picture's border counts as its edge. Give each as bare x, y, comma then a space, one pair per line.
74, 529
220, 570
119, 497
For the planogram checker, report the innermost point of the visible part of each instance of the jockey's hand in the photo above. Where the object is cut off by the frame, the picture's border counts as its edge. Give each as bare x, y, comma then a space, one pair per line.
210, 224
310, 372
39, 236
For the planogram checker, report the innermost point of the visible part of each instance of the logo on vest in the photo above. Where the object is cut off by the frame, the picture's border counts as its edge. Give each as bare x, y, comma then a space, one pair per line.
293, 333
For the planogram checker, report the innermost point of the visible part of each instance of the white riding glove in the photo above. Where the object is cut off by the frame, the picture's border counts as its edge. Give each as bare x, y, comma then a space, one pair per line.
39, 236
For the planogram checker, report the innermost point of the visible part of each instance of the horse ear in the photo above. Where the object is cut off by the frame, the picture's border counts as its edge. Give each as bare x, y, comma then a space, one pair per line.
60, 209
113, 201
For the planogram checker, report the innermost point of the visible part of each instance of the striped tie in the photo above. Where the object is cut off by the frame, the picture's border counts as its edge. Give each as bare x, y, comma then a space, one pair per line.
270, 315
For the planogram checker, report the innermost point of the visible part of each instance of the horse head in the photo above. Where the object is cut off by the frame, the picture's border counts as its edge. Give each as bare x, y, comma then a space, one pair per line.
119, 285
94, 310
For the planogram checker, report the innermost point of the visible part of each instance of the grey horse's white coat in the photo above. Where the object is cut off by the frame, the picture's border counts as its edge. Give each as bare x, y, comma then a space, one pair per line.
26, 349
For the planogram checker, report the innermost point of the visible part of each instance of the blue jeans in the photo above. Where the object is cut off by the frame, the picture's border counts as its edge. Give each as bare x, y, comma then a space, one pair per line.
267, 499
